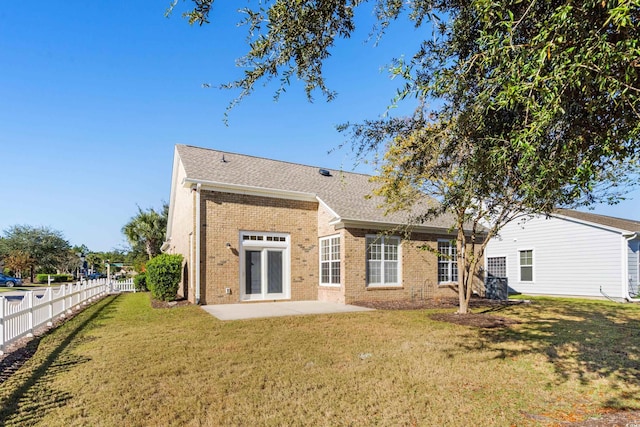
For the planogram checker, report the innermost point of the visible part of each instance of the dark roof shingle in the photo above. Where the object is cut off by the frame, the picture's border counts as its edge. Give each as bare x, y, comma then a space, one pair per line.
347, 194
607, 221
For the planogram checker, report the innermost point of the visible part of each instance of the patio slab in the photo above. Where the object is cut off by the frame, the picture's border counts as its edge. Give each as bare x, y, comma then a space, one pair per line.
278, 309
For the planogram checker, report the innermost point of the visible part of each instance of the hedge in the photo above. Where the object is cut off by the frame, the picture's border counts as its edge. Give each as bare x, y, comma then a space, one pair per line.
55, 278
140, 282
163, 276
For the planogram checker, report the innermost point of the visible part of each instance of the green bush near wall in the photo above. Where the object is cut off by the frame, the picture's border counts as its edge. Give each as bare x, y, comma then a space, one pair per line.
55, 278
163, 276
140, 282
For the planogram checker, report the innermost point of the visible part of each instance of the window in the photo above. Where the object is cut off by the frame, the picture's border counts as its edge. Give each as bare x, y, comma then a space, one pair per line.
447, 261
383, 254
497, 266
526, 266
330, 260
265, 266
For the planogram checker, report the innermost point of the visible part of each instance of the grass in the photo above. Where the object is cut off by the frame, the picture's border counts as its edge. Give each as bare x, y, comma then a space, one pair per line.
18, 288
120, 362
29, 287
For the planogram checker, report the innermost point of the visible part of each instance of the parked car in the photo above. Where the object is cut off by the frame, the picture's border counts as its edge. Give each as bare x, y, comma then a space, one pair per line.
9, 281
94, 276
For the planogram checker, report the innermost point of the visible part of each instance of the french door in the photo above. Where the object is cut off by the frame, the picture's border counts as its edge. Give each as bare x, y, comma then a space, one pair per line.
264, 267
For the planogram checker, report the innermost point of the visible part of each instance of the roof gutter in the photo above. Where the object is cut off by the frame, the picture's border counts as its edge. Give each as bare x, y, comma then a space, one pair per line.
165, 245
250, 190
345, 222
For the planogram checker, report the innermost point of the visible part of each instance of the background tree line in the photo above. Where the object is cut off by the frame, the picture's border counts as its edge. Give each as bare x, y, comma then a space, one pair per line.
26, 251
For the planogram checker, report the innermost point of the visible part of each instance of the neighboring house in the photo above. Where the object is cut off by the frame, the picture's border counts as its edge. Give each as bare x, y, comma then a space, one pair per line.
569, 253
254, 229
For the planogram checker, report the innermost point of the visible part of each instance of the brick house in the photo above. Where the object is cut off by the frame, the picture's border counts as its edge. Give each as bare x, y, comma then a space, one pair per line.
255, 229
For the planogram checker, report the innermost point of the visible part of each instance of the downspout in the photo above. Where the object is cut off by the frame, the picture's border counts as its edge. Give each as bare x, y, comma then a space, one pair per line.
626, 270
198, 233
192, 266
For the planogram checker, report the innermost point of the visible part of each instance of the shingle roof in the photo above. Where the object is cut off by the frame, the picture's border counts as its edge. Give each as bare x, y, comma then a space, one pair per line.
608, 221
346, 193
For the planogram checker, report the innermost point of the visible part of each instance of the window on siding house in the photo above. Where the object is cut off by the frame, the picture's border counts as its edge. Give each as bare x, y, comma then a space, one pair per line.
447, 261
383, 257
526, 266
497, 266
330, 261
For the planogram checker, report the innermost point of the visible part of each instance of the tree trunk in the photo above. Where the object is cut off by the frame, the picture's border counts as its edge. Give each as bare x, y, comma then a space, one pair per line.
463, 292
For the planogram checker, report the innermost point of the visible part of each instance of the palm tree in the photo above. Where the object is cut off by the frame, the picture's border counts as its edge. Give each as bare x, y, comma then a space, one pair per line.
146, 230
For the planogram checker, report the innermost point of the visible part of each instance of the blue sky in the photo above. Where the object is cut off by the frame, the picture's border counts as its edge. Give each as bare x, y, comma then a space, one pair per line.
94, 96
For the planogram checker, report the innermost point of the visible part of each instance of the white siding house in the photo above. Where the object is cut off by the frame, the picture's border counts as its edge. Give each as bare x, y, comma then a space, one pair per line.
570, 253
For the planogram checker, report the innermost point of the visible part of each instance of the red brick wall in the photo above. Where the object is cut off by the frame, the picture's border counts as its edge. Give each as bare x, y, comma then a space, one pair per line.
331, 293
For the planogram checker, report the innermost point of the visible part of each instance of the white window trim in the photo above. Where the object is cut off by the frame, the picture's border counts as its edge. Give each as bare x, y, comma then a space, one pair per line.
533, 264
329, 285
448, 282
397, 284
285, 246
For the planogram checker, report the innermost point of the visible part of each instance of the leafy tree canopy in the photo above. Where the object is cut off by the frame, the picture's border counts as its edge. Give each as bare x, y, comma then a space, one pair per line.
45, 247
556, 80
538, 101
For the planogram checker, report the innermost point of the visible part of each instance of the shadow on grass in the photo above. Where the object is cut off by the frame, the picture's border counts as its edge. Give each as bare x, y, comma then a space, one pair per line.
29, 395
585, 341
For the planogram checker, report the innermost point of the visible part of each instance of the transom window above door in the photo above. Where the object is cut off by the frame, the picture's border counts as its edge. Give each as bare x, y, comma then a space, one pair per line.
267, 238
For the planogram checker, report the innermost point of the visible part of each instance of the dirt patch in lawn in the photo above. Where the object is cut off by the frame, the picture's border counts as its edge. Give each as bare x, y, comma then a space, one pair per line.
479, 320
437, 303
169, 304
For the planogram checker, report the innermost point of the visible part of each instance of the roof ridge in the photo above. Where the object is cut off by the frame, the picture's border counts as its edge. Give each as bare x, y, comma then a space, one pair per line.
272, 160
599, 215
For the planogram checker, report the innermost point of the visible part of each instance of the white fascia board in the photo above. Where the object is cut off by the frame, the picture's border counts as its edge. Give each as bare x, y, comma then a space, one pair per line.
250, 190
592, 224
379, 225
336, 217
174, 187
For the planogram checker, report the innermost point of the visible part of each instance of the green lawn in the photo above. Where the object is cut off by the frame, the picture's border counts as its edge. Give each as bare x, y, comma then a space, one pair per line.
121, 363
18, 288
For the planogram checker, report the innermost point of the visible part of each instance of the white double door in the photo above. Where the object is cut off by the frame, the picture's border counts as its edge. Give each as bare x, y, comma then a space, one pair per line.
264, 269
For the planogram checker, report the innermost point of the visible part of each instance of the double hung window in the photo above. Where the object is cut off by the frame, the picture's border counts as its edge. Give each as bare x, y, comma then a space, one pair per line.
330, 260
526, 266
447, 261
383, 261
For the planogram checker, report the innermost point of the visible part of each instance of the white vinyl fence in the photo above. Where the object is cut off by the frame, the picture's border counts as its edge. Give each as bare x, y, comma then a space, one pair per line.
37, 308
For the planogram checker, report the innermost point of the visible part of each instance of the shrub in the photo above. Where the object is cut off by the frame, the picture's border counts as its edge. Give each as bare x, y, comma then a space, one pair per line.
163, 276
140, 282
55, 278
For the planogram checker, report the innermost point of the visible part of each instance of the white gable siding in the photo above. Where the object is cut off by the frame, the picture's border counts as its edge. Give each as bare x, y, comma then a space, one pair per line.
569, 258
633, 253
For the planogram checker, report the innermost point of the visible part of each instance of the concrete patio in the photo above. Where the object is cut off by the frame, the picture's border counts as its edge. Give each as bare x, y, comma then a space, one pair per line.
278, 309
